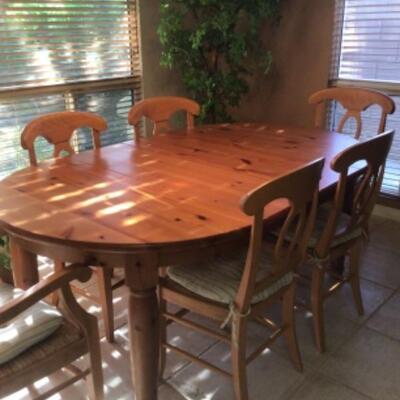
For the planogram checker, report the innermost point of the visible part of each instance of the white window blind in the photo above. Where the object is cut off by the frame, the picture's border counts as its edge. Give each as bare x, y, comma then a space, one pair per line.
66, 55
370, 47
366, 52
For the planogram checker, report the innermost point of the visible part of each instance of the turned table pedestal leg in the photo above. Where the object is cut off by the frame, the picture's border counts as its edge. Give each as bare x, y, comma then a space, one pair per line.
143, 330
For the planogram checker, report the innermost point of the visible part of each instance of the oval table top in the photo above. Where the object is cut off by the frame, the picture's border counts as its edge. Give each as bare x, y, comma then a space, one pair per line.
181, 186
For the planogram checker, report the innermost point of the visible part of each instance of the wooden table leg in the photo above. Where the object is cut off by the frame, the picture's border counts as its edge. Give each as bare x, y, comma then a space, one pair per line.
24, 266
143, 329
144, 334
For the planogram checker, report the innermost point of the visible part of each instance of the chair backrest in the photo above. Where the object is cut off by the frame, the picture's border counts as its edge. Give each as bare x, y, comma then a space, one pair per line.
58, 128
355, 101
160, 109
373, 152
300, 189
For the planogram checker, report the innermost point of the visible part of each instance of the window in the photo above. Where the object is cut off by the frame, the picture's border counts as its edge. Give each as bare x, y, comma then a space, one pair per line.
66, 55
367, 54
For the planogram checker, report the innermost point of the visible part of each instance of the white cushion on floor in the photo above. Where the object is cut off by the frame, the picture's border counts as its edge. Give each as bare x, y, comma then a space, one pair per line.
28, 328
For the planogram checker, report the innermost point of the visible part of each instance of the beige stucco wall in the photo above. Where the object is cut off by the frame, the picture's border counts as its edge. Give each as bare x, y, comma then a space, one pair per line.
301, 47
156, 80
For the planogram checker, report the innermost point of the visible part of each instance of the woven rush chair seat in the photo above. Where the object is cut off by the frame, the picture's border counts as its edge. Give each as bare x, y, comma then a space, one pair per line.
341, 236
63, 337
218, 279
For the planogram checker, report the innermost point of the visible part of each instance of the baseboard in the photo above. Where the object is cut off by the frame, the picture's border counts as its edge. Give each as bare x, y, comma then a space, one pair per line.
387, 212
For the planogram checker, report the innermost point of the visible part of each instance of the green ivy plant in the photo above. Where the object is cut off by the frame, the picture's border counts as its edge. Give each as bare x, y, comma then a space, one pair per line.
217, 46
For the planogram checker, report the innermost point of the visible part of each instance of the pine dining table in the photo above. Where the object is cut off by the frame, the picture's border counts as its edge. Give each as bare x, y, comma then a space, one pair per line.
153, 202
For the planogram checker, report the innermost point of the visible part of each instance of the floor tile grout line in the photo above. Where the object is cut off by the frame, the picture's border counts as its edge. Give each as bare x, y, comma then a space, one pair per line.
337, 382
188, 363
378, 283
327, 357
381, 246
292, 391
367, 319
397, 341
180, 369
360, 327
311, 378
364, 323
384, 302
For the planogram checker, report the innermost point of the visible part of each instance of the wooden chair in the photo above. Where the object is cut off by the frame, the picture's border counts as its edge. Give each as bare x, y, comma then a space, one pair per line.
160, 109
234, 287
355, 101
57, 129
338, 234
77, 336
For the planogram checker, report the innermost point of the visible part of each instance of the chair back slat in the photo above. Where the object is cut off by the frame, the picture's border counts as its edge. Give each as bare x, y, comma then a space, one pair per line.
373, 153
160, 110
300, 189
355, 101
58, 128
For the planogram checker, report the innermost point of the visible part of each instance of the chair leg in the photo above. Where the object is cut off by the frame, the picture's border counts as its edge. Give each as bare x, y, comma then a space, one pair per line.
95, 379
162, 304
162, 339
354, 281
238, 348
290, 327
106, 300
317, 305
55, 297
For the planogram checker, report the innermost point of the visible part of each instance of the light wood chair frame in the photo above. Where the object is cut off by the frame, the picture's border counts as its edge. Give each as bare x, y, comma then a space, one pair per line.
373, 152
160, 110
355, 101
58, 129
300, 219
89, 342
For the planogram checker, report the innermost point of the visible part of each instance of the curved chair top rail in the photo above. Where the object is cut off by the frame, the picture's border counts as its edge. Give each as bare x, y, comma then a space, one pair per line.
355, 101
57, 128
160, 109
373, 150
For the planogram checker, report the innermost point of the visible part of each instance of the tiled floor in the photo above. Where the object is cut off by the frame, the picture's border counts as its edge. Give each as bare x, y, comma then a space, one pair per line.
362, 361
